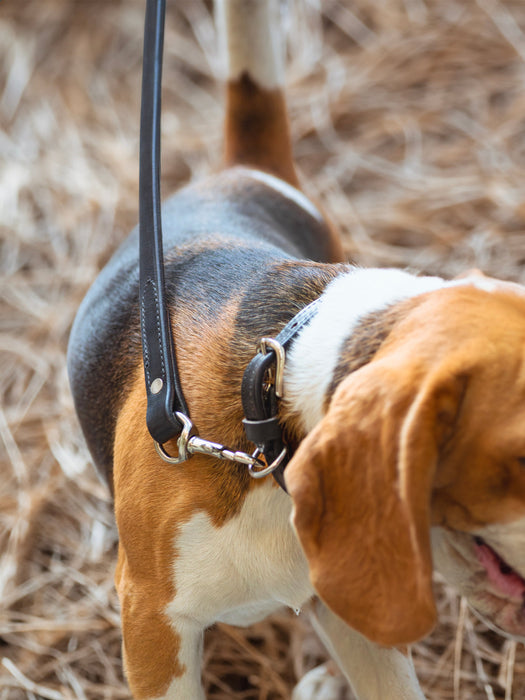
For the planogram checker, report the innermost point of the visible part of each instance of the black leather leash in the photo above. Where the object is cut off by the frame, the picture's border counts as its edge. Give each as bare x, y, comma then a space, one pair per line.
167, 413
165, 397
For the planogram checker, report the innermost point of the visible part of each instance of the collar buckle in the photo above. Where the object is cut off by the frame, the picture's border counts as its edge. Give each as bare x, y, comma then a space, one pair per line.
280, 357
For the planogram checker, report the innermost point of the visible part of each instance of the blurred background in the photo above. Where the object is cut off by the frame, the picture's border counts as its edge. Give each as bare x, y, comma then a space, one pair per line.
408, 118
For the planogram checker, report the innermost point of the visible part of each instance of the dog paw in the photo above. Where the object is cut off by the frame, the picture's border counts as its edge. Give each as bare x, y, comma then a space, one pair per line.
323, 683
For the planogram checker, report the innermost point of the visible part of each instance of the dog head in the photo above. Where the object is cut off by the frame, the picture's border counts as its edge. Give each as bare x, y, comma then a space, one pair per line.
429, 435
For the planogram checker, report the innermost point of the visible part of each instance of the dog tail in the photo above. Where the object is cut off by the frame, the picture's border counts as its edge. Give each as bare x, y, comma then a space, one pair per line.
257, 132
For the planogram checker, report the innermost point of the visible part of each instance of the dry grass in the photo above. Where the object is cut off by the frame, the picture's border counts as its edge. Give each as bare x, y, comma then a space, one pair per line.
409, 124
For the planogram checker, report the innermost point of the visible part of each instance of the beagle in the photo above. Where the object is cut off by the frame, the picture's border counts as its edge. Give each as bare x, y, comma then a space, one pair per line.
403, 408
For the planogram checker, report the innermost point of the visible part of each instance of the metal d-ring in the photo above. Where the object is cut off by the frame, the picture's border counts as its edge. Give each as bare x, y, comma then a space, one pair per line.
182, 442
267, 470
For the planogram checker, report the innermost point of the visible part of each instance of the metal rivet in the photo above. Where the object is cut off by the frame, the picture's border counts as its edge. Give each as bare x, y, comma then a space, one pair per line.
156, 385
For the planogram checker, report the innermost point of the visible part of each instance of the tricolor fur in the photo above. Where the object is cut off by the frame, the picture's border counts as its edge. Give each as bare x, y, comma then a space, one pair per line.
404, 404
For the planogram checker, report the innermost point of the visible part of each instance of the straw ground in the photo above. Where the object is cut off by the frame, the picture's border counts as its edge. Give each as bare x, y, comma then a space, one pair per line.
409, 123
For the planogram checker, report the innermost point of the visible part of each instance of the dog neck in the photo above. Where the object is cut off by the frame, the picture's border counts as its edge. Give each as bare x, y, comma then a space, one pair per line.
355, 314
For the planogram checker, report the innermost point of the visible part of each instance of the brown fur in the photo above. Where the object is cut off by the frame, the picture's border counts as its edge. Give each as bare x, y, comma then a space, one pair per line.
413, 439
154, 499
407, 440
256, 129
365, 341
145, 554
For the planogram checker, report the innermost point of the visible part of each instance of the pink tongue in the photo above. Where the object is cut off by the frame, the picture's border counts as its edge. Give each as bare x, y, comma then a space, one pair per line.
510, 584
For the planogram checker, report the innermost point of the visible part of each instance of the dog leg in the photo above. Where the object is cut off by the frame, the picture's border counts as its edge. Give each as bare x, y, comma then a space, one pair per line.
323, 683
375, 673
189, 683
162, 655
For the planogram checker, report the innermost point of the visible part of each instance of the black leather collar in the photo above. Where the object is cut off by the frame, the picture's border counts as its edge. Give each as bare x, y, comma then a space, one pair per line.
260, 399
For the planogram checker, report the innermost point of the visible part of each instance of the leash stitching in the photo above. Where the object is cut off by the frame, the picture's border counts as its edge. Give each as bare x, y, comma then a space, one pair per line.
144, 335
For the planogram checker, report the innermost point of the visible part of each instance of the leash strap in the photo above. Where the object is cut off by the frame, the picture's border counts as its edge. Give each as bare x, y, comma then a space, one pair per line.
260, 395
167, 412
164, 392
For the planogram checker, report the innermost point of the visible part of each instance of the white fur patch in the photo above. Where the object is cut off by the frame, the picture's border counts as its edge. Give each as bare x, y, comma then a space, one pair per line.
489, 284
249, 31
285, 190
314, 355
245, 569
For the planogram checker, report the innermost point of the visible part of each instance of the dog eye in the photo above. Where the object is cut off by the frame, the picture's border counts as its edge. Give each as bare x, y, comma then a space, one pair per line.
521, 461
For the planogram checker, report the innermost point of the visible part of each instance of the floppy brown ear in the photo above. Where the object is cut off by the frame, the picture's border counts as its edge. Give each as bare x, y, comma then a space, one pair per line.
361, 485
